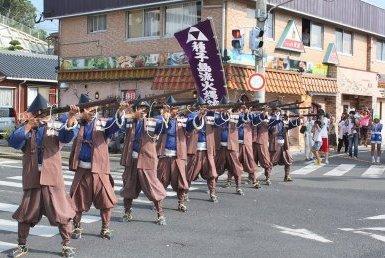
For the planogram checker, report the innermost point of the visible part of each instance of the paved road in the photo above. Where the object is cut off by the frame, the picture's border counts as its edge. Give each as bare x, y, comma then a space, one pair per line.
336, 210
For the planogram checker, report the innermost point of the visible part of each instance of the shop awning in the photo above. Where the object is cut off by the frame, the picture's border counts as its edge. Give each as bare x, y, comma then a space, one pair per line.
107, 75
172, 78
316, 84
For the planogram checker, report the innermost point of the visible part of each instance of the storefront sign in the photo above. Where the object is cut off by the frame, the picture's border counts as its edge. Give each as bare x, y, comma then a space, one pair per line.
200, 47
290, 39
128, 95
356, 82
331, 56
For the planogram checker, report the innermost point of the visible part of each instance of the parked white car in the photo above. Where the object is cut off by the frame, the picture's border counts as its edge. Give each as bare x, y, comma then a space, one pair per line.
7, 120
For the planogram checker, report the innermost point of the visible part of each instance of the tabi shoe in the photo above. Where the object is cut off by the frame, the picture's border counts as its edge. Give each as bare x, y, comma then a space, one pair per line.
288, 179
187, 198
373, 159
227, 184
20, 251
267, 182
240, 191
213, 197
67, 251
77, 232
128, 217
378, 160
256, 184
182, 207
161, 220
106, 233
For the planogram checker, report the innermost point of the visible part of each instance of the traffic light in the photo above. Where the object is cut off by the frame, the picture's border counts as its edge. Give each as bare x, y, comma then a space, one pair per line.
237, 41
256, 38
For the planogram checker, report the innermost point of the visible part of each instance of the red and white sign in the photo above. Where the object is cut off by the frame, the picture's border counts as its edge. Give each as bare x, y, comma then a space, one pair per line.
128, 94
257, 82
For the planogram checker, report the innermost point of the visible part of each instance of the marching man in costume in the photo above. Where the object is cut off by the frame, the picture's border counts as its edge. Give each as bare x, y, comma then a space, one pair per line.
201, 149
172, 152
261, 122
246, 155
89, 158
227, 156
140, 159
279, 143
43, 183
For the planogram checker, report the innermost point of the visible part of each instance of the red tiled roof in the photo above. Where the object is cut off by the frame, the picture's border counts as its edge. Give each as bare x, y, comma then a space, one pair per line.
319, 84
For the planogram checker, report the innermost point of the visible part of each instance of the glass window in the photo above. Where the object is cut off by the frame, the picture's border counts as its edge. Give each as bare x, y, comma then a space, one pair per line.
316, 35
97, 23
181, 16
380, 50
269, 26
144, 23
152, 23
344, 41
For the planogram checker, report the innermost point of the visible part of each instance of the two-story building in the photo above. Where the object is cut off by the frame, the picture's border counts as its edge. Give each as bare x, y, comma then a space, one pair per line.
316, 51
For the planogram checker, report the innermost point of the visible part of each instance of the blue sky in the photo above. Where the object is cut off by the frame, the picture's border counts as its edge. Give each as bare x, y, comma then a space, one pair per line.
47, 25
53, 26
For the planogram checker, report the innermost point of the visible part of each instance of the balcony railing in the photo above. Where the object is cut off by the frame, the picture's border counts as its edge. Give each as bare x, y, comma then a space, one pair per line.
17, 25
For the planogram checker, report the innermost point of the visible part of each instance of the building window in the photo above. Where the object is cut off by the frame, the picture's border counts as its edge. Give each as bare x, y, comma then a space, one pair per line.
344, 41
97, 23
144, 23
380, 51
181, 16
269, 26
312, 34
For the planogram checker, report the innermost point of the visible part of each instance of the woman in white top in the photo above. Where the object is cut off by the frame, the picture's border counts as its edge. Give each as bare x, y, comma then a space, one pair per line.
343, 134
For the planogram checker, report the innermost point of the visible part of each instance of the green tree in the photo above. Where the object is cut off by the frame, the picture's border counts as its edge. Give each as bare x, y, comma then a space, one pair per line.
15, 45
21, 11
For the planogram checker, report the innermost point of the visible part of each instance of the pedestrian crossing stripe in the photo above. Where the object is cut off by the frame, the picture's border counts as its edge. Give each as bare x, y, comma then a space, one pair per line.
38, 230
4, 246
374, 171
340, 170
307, 169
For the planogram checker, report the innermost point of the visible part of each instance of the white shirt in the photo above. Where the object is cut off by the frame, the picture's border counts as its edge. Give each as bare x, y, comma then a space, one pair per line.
325, 128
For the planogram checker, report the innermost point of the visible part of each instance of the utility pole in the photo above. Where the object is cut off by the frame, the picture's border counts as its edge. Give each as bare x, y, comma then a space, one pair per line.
261, 16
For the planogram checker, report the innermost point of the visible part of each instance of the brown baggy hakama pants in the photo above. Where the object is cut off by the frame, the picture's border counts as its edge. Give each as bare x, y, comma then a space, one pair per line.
262, 156
136, 180
90, 188
228, 159
199, 164
283, 158
52, 202
173, 171
246, 158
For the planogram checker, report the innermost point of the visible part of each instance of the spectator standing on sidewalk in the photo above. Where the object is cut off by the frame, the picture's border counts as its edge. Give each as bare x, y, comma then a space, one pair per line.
343, 139
332, 133
376, 140
364, 123
324, 134
308, 136
317, 139
353, 130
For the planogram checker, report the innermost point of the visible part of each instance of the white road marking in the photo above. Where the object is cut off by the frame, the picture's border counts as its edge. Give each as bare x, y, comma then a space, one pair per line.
11, 184
307, 170
304, 233
7, 207
340, 170
379, 217
374, 171
374, 236
9, 162
11, 166
38, 230
4, 246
